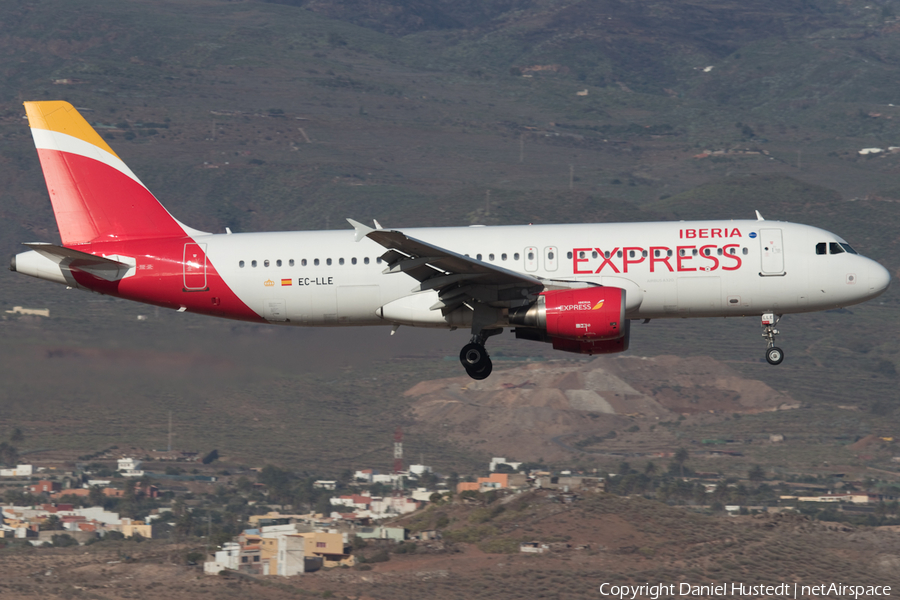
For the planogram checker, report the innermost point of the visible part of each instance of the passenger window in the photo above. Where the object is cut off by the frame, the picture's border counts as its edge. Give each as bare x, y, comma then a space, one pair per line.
340, 261
328, 261
291, 262
531, 255
252, 263
491, 256
366, 260
378, 260
478, 257
353, 261
316, 262
593, 254
503, 256
732, 251
278, 263
694, 252
265, 263
568, 255
631, 254
656, 253
668, 253
606, 254
241, 264
303, 263
820, 248
719, 251
835, 248
619, 254
745, 251
681, 252
644, 253
706, 252
550, 256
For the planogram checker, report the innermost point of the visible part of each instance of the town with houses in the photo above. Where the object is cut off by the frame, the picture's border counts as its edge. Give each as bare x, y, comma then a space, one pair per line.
276, 540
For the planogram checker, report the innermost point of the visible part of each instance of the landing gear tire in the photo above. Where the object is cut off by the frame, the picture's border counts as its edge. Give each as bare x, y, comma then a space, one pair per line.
774, 356
483, 373
474, 358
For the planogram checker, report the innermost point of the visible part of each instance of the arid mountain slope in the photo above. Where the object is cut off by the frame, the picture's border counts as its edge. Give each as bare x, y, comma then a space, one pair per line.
521, 412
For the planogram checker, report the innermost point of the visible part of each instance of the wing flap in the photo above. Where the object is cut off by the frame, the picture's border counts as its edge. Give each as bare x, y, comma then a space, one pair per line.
454, 276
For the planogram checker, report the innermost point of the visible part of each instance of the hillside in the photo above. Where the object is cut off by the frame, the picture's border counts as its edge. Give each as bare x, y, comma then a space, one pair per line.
594, 539
601, 538
295, 115
555, 411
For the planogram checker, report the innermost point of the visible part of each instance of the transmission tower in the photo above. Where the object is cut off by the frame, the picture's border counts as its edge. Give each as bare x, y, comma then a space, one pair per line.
398, 459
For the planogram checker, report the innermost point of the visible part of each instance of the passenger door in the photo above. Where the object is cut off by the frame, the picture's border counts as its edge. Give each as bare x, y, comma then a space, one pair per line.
771, 252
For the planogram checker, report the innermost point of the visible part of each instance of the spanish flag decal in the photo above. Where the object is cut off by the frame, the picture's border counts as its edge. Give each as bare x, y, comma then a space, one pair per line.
286, 282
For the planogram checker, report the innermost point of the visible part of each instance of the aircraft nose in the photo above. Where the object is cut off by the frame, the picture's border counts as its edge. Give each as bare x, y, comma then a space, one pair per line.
879, 278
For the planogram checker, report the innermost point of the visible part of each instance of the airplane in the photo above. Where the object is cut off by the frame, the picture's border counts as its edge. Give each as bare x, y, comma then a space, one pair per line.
577, 287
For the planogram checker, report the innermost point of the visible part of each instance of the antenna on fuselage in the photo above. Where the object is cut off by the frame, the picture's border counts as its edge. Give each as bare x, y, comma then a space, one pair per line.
759, 217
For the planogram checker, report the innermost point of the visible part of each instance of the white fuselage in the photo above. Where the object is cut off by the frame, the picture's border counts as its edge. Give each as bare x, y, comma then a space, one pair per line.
669, 269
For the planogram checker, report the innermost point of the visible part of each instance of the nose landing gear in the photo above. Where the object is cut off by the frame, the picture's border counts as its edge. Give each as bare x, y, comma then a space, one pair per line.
774, 355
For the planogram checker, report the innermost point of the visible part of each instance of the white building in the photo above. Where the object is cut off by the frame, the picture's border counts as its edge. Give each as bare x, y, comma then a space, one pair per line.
391, 506
325, 484
386, 478
419, 470
130, 467
38, 312
226, 558
354, 501
365, 475
19, 471
499, 460
96, 513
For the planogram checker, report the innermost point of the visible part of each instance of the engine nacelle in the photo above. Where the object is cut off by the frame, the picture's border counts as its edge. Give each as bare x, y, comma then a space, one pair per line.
583, 320
588, 314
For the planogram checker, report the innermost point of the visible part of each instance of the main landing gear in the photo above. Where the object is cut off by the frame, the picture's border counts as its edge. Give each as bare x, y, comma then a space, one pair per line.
774, 355
474, 356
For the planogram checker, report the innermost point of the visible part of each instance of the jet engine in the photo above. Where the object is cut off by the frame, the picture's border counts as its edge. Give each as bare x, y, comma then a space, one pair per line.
583, 320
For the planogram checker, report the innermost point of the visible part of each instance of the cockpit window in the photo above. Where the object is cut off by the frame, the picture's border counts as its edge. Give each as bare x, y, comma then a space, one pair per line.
835, 248
848, 248
821, 248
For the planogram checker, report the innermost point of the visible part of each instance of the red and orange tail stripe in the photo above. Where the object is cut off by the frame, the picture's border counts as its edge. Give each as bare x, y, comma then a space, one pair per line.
95, 195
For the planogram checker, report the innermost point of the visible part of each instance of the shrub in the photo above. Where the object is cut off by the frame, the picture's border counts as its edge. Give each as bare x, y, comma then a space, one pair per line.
64, 540
378, 557
406, 548
470, 535
499, 546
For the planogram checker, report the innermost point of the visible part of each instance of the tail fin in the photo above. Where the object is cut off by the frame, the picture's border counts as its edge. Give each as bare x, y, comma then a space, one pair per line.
95, 196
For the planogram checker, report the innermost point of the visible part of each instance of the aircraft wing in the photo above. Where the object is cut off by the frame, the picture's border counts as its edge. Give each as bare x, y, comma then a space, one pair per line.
456, 277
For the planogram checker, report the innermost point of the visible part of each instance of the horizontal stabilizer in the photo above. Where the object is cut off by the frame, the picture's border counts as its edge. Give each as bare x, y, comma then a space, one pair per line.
75, 260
